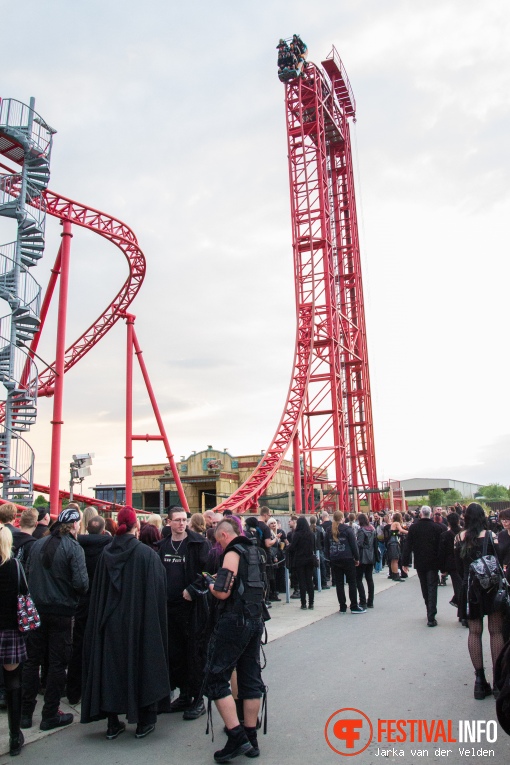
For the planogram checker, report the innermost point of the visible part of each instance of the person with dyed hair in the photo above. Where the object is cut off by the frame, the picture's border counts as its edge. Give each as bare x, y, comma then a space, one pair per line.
125, 650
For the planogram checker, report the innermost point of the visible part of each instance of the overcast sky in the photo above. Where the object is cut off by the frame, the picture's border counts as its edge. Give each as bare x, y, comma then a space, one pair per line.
170, 116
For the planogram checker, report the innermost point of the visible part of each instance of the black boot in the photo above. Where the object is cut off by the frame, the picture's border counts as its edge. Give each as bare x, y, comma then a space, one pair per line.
252, 738
237, 743
196, 710
115, 727
184, 701
13, 698
482, 687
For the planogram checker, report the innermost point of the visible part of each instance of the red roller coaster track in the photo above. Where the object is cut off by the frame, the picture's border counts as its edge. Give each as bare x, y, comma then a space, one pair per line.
327, 415
112, 229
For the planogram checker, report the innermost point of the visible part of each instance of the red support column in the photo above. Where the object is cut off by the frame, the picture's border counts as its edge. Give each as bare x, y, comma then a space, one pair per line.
57, 422
130, 320
298, 503
157, 415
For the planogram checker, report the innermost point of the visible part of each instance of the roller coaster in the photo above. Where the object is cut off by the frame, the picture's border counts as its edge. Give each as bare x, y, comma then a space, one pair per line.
327, 416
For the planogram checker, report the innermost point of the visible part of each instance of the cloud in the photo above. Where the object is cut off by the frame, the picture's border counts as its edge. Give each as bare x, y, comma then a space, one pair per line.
170, 117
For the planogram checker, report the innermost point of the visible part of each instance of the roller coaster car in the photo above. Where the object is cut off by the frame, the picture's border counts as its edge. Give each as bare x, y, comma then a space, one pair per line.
291, 59
290, 73
284, 75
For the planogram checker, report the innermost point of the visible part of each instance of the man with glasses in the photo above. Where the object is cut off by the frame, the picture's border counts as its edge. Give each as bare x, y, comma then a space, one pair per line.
184, 555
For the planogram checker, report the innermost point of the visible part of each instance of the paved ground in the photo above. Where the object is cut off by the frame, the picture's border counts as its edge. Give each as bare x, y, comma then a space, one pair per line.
385, 662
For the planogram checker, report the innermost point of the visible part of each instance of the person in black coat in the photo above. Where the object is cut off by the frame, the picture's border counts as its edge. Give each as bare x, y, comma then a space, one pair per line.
185, 555
125, 651
43, 522
93, 544
423, 541
447, 563
341, 549
302, 549
22, 538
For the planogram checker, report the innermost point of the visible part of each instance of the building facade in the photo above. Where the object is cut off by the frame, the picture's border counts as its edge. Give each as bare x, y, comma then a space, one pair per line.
207, 477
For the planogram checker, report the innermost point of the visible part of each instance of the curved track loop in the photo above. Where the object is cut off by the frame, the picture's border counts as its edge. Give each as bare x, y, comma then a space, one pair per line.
245, 498
123, 237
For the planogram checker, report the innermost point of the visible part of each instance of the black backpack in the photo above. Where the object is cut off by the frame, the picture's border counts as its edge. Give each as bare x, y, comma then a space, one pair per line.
340, 549
366, 549
250, 591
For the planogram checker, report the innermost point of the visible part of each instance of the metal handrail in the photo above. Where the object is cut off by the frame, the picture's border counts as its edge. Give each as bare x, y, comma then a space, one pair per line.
338, 61
24, 370
16, 115
35, 205
21, 458
29, 290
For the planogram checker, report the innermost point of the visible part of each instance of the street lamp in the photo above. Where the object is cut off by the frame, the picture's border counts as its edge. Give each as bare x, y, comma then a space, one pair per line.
79, 469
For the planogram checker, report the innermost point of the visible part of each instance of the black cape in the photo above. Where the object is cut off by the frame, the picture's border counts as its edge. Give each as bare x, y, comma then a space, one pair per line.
125, 651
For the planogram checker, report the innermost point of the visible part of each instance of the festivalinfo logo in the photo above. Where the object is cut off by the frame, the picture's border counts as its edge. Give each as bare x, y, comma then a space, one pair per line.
349, 732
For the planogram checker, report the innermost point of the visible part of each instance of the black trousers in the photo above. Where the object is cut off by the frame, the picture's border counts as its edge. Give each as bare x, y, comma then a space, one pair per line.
341, 570
366, 570
75, 665
305, 579
179, 647
429, 579
53, 638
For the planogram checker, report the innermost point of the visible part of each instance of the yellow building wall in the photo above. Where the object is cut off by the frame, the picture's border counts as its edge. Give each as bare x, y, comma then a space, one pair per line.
226, 471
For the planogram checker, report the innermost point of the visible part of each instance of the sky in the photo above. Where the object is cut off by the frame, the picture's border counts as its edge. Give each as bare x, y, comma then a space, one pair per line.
170, 116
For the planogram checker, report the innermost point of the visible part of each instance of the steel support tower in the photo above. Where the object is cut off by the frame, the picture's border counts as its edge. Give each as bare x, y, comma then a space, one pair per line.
328, 413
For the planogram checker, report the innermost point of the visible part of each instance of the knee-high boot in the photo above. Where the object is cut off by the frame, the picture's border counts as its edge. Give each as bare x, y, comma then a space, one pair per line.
13, 698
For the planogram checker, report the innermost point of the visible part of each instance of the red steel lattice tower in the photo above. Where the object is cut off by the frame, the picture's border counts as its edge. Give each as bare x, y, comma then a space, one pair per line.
328, 414
310, 128
362, 473
337, 453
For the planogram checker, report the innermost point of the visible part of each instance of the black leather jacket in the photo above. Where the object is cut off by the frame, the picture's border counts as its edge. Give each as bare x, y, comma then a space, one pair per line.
56, 590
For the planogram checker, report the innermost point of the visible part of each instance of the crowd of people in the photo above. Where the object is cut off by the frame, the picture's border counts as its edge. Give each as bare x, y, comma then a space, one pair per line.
182, 602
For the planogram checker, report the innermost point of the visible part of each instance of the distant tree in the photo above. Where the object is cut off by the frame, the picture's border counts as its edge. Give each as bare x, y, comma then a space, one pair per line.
40, 501
493, 491
437, 498
452, 496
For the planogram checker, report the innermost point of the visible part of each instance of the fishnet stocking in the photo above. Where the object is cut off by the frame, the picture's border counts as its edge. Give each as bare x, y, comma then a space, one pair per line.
495, 624
496, 633
475, 642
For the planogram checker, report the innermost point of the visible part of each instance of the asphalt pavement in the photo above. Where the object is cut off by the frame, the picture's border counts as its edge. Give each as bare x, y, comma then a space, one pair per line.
385, 665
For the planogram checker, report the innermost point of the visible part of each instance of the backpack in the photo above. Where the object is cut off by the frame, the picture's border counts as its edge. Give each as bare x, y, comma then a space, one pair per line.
250, 592
340, 549
485, 571
366, 549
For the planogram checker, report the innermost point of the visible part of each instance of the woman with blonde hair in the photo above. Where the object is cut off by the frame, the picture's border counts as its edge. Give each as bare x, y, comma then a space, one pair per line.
197, 523
155, 520
88, 513
393, 550
12, 643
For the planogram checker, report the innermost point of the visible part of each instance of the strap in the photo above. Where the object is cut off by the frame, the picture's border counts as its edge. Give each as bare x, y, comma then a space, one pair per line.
496, 556
17, 569
263, 711
485, 543
21, 571
209, 719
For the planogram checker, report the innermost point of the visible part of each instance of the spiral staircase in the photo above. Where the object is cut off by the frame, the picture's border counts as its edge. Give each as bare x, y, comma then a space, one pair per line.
25, 139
